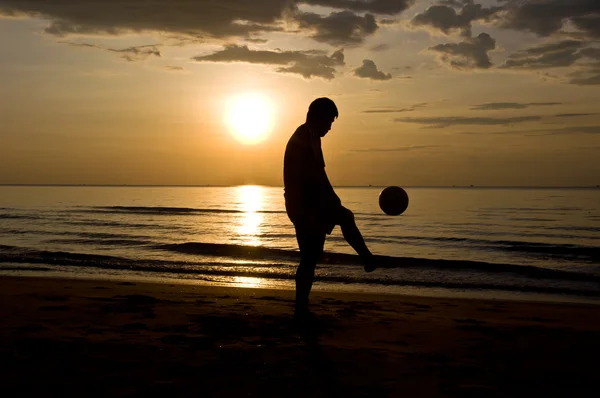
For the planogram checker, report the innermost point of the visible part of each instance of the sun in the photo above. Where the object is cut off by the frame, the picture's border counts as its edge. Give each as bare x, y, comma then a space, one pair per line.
249, 117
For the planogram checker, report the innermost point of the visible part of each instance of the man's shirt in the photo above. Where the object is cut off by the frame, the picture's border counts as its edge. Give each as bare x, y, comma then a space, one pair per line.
307, 188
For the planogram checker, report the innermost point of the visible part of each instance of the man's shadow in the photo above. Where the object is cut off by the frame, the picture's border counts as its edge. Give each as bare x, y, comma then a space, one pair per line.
323, 369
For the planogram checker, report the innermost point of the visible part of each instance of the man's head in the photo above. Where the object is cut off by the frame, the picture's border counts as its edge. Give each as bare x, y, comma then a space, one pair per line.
321, 114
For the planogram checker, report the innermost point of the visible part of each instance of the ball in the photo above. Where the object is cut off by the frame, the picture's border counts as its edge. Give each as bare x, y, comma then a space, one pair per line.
393, 201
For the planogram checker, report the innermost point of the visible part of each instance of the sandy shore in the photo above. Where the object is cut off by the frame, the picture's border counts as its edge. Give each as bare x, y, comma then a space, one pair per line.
90, 338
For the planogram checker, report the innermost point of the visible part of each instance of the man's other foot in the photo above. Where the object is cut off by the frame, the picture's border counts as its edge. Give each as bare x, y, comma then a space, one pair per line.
369, 263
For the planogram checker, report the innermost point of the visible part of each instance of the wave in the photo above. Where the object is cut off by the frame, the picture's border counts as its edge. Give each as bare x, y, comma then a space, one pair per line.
17, 216
104, 242
258, 252
567, 251
586, 253
16, 255
121, 224
532, 209
576, 228
159, 210
531, 219
270, 254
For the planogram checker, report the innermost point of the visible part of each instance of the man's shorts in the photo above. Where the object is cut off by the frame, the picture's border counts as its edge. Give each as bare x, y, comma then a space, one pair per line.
319, 220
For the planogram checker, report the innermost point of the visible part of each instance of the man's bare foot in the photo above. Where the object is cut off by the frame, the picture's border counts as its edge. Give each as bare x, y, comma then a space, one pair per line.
369, 263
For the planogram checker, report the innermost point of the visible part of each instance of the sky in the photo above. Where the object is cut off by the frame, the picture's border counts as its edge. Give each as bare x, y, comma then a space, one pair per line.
430, 93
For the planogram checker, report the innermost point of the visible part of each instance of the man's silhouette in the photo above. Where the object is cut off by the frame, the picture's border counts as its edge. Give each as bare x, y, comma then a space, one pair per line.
311, 203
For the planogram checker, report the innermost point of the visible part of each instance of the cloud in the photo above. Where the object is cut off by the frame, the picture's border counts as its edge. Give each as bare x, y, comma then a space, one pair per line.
202, 18
205, 19
592, 79
397, 110
306, 63
575, 114
547, 17
552, 55
131, 54
469, 54
510, 105
398, 149
369, 70
591, 52
380, 47
551, 47
444, 17
389, 7
338, 28
439, 122
588, 74
561, 54
174, 68
255, 40
570, 130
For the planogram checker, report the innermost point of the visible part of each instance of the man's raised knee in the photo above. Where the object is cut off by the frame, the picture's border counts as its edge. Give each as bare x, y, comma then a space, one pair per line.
346, 216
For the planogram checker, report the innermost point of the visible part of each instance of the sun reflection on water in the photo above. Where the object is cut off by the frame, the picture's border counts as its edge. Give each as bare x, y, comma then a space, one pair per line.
251, 198
248, 281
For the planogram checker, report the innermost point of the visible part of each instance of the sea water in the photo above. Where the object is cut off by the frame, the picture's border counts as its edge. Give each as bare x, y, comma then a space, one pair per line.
495, 242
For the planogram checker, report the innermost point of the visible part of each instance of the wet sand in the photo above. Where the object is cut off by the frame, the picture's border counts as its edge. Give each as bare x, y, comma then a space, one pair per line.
124, 339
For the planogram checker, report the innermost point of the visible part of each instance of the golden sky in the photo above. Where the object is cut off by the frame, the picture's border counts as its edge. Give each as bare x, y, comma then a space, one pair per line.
453, 92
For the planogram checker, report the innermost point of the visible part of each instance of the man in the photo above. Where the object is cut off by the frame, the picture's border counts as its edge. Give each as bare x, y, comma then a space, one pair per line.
311, 203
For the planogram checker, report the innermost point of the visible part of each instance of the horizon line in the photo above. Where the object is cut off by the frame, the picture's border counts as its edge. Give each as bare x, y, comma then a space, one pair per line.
281, 186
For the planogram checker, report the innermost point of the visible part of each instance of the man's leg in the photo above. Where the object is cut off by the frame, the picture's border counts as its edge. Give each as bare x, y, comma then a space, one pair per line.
355, 239
311, 248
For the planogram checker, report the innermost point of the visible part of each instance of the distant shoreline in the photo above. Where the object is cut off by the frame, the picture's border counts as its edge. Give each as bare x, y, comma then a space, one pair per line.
280, 186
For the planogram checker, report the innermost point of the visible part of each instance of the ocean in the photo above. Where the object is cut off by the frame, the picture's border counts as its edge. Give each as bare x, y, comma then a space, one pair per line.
516, 243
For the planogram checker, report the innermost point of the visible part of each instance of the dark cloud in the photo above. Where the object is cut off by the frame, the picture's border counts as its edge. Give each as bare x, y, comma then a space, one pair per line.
551, 48
398, 149
469, 54
551, 60
255, 40
369, 70
546, 17
444, 17
202, 18
589, 24
569, 130
590, 78
510, 105
552, 55
338, 28
396, 110
453, 3
566, 53
591, 52
207, 19
399, 110
380, 47
389, 7
306, 63
174, 68
575, 114
579, 54
135, 53
439, 122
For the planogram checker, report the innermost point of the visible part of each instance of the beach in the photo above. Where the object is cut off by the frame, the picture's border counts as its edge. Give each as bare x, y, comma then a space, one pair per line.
109, 338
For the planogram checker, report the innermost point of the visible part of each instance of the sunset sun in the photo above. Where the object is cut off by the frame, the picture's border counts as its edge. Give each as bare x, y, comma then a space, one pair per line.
249, 117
